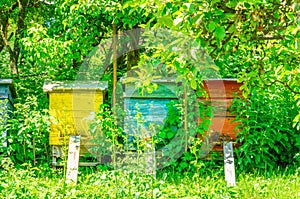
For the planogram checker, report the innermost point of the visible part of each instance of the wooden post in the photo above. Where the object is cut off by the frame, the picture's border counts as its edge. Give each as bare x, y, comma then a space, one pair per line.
150, 157
229, 164
73, 159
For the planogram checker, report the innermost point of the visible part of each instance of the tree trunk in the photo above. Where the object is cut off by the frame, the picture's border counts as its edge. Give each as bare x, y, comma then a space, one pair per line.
13, 64
114, 65
133, 54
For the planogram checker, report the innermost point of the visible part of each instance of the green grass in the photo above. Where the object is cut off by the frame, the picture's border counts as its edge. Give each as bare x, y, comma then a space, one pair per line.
49, 183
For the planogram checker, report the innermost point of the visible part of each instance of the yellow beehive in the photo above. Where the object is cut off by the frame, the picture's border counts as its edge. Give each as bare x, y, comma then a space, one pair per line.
72, 105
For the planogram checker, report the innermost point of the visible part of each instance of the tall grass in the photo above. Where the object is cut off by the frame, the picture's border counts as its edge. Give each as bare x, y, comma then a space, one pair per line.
47, 183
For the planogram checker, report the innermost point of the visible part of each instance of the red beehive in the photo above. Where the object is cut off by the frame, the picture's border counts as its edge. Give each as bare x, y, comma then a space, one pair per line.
220, 95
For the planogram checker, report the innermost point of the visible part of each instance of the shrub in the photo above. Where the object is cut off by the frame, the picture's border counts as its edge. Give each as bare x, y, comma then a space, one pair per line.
266, 133
28, 133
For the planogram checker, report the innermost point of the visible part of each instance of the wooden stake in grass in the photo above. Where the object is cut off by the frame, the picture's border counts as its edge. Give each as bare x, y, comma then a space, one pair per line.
150, 156
73, 159
229, 164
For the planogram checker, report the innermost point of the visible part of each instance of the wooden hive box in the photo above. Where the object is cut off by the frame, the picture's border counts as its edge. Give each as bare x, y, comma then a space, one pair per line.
151, 106
7, 95
220, 95
72, 105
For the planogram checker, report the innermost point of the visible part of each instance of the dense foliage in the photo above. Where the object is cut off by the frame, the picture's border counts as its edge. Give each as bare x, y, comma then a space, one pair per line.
268, 141
256, 42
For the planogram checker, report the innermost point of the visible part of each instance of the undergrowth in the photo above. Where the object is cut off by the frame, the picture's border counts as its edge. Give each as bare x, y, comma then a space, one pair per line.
44, 182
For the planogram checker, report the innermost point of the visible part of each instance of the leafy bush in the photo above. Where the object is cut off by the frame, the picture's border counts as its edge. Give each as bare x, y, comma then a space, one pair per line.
172, 123
28, 133
266, 133
107, 136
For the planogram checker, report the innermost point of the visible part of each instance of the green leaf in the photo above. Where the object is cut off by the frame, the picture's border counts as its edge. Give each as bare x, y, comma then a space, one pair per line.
205, 127
178, 20
276, 14
231, 29
166, 20
220, 33
170, 135
211, 26
193, 84
247, 5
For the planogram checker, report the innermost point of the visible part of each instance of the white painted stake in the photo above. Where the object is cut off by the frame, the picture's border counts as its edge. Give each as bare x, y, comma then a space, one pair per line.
229, 164
150, 158
73, 159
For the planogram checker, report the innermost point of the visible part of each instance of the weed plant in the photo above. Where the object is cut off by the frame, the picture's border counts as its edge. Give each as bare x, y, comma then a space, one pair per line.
44, 182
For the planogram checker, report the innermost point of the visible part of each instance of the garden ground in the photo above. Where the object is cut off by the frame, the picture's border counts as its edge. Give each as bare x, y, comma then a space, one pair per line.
32, 182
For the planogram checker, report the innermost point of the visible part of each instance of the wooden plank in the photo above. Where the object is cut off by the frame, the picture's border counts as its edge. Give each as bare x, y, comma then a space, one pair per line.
59, 86
229, 164
84, 164
153, 111
222, 88
218, 147
73, 159
73, 122
75, 101
89, 164
59, 142
164, 90
220, 106
224, 126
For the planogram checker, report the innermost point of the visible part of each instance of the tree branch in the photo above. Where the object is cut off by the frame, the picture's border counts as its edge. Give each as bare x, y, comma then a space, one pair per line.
287, 86
226, 40
5, 40
284, 84
267, 38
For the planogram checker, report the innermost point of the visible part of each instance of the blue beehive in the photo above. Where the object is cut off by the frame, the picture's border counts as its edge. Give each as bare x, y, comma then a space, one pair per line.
7, 95
144, 111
